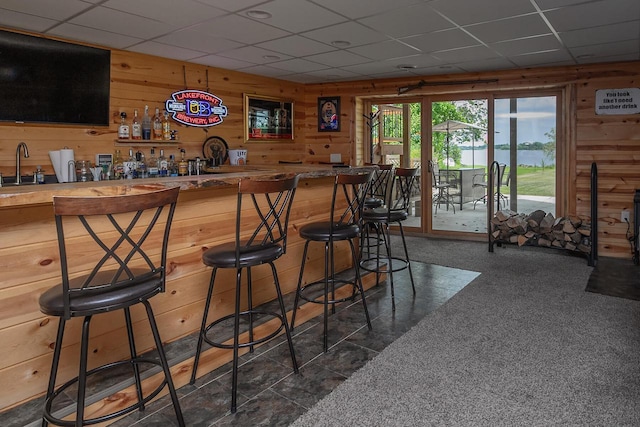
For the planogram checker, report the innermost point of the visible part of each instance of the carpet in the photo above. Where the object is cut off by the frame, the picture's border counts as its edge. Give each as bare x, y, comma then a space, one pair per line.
522, 344
615, 277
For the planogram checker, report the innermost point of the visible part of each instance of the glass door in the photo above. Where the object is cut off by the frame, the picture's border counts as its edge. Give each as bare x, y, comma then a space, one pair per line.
525, 147
458, 165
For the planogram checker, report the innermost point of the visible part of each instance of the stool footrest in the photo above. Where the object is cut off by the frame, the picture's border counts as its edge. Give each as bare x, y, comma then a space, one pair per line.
398, 264
71, 423
320, 299
245, 313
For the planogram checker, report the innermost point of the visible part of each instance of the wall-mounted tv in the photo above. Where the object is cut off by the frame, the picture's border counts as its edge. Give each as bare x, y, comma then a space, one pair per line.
48, 81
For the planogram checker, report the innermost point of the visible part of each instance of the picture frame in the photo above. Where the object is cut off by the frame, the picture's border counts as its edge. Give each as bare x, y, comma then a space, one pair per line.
329, 114
267, 118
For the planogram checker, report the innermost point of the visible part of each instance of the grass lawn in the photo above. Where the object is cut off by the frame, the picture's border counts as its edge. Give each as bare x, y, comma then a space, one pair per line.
535, 180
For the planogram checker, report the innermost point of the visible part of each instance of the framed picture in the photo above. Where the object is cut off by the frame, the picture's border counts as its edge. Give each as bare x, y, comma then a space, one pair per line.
267, 118
329, 114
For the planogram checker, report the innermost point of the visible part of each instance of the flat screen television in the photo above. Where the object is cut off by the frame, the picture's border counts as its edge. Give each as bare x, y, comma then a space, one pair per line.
49, 81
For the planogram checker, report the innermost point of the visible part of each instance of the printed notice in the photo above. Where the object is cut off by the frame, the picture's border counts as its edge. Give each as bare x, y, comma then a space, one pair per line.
618, 101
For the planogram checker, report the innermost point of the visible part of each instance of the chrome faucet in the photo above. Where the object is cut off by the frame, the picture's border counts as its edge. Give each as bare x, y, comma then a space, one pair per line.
26, 154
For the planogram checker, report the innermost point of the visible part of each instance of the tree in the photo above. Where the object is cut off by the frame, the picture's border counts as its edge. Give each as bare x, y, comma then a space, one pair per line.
549, 148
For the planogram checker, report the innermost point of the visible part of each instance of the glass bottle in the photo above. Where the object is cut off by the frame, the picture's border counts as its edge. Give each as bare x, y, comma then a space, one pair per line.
136, 127
130, 166
123, 129
163, 165
142, 165
146, 124
118, 166
183, 166
39, 175
166, 127
172, 166
157, 125
152, 164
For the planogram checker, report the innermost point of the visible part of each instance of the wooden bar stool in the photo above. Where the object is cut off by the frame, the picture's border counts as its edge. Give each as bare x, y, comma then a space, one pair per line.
394, 211
349, 190
263, 244
113, 253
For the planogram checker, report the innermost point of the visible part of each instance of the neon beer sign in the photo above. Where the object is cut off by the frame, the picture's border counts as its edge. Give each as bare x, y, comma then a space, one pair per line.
196, 108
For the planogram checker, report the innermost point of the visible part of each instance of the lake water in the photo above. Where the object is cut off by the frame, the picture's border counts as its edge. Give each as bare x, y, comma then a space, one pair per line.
525, 157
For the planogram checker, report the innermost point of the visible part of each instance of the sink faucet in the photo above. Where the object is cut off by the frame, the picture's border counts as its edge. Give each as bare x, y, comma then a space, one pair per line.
26, 154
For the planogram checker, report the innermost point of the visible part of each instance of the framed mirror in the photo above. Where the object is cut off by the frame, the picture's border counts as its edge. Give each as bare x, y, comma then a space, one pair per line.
267, 118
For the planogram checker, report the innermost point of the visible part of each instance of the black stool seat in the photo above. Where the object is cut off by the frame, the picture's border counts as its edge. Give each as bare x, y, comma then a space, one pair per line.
324, 231
124, 294
382, 214
117, 232
224, 256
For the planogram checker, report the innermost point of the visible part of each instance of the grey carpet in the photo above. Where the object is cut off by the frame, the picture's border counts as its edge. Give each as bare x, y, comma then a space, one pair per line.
523, 344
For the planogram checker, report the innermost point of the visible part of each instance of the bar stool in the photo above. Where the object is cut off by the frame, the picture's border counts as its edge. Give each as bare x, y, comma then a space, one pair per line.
263, 245
379, 184
395, 210
113, 253
349, 190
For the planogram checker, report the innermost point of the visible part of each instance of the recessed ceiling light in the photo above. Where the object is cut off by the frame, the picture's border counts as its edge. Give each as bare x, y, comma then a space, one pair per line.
271, 57
406, 67
258, 14
341, 43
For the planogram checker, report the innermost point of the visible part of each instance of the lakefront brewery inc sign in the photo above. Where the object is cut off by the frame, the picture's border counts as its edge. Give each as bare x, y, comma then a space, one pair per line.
618, 101
196, 108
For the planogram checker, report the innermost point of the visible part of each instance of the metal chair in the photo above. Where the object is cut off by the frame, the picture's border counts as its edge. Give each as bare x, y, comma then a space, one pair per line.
113, 253
349, 190
481, 180
442, 187
263, 244
395, 211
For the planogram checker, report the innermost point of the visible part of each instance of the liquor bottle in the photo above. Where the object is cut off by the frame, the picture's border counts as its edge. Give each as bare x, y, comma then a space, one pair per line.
157, 125
123, 129
118, 166
166, 127
39, 175
152, 164
146, 124
163, 165
172, 166
142, 165
183, 166
130, 166
136, 127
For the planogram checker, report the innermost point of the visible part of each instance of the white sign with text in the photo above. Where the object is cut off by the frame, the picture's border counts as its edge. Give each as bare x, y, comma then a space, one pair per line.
618, 101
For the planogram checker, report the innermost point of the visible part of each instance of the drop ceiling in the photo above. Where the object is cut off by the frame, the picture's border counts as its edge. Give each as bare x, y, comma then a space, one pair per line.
312, 41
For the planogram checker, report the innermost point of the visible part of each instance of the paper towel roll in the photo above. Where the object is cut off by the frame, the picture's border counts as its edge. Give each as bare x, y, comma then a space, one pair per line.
68, 170
60, 160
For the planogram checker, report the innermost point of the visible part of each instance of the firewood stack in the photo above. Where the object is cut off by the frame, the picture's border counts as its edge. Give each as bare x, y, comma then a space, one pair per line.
542, 229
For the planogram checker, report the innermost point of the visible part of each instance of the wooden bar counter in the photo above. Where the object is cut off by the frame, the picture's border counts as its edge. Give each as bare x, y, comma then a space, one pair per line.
205, 215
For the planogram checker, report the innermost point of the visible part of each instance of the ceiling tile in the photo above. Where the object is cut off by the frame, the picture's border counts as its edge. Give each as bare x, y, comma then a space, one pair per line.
528, 45
464, 12
296, 46
298, 65
509, 28
232, 5
356, 9
178, 14
384, 50
63, 9
122, 23
466, 54
238, 28
603, 34
221, 62
352, 32
594, 14
333, 74
479, 65
441, 40
401, 22
265, 70
338, 58
161, 49
255, 55
542, 59
99, 37
197, 41
298, 15
17, 20
607, 49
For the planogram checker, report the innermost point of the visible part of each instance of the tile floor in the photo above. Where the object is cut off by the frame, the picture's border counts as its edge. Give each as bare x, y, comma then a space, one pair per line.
269, 393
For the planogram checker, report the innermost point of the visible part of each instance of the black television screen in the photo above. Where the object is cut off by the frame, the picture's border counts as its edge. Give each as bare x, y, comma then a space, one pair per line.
48, 81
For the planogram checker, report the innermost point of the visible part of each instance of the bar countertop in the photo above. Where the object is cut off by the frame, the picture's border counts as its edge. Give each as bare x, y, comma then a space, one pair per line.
15, 196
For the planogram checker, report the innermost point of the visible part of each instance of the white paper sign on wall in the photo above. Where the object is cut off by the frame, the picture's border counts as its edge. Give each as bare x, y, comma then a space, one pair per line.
618, 101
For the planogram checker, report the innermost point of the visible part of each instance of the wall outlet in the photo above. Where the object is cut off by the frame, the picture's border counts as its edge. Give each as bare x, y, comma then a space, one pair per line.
624, 216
